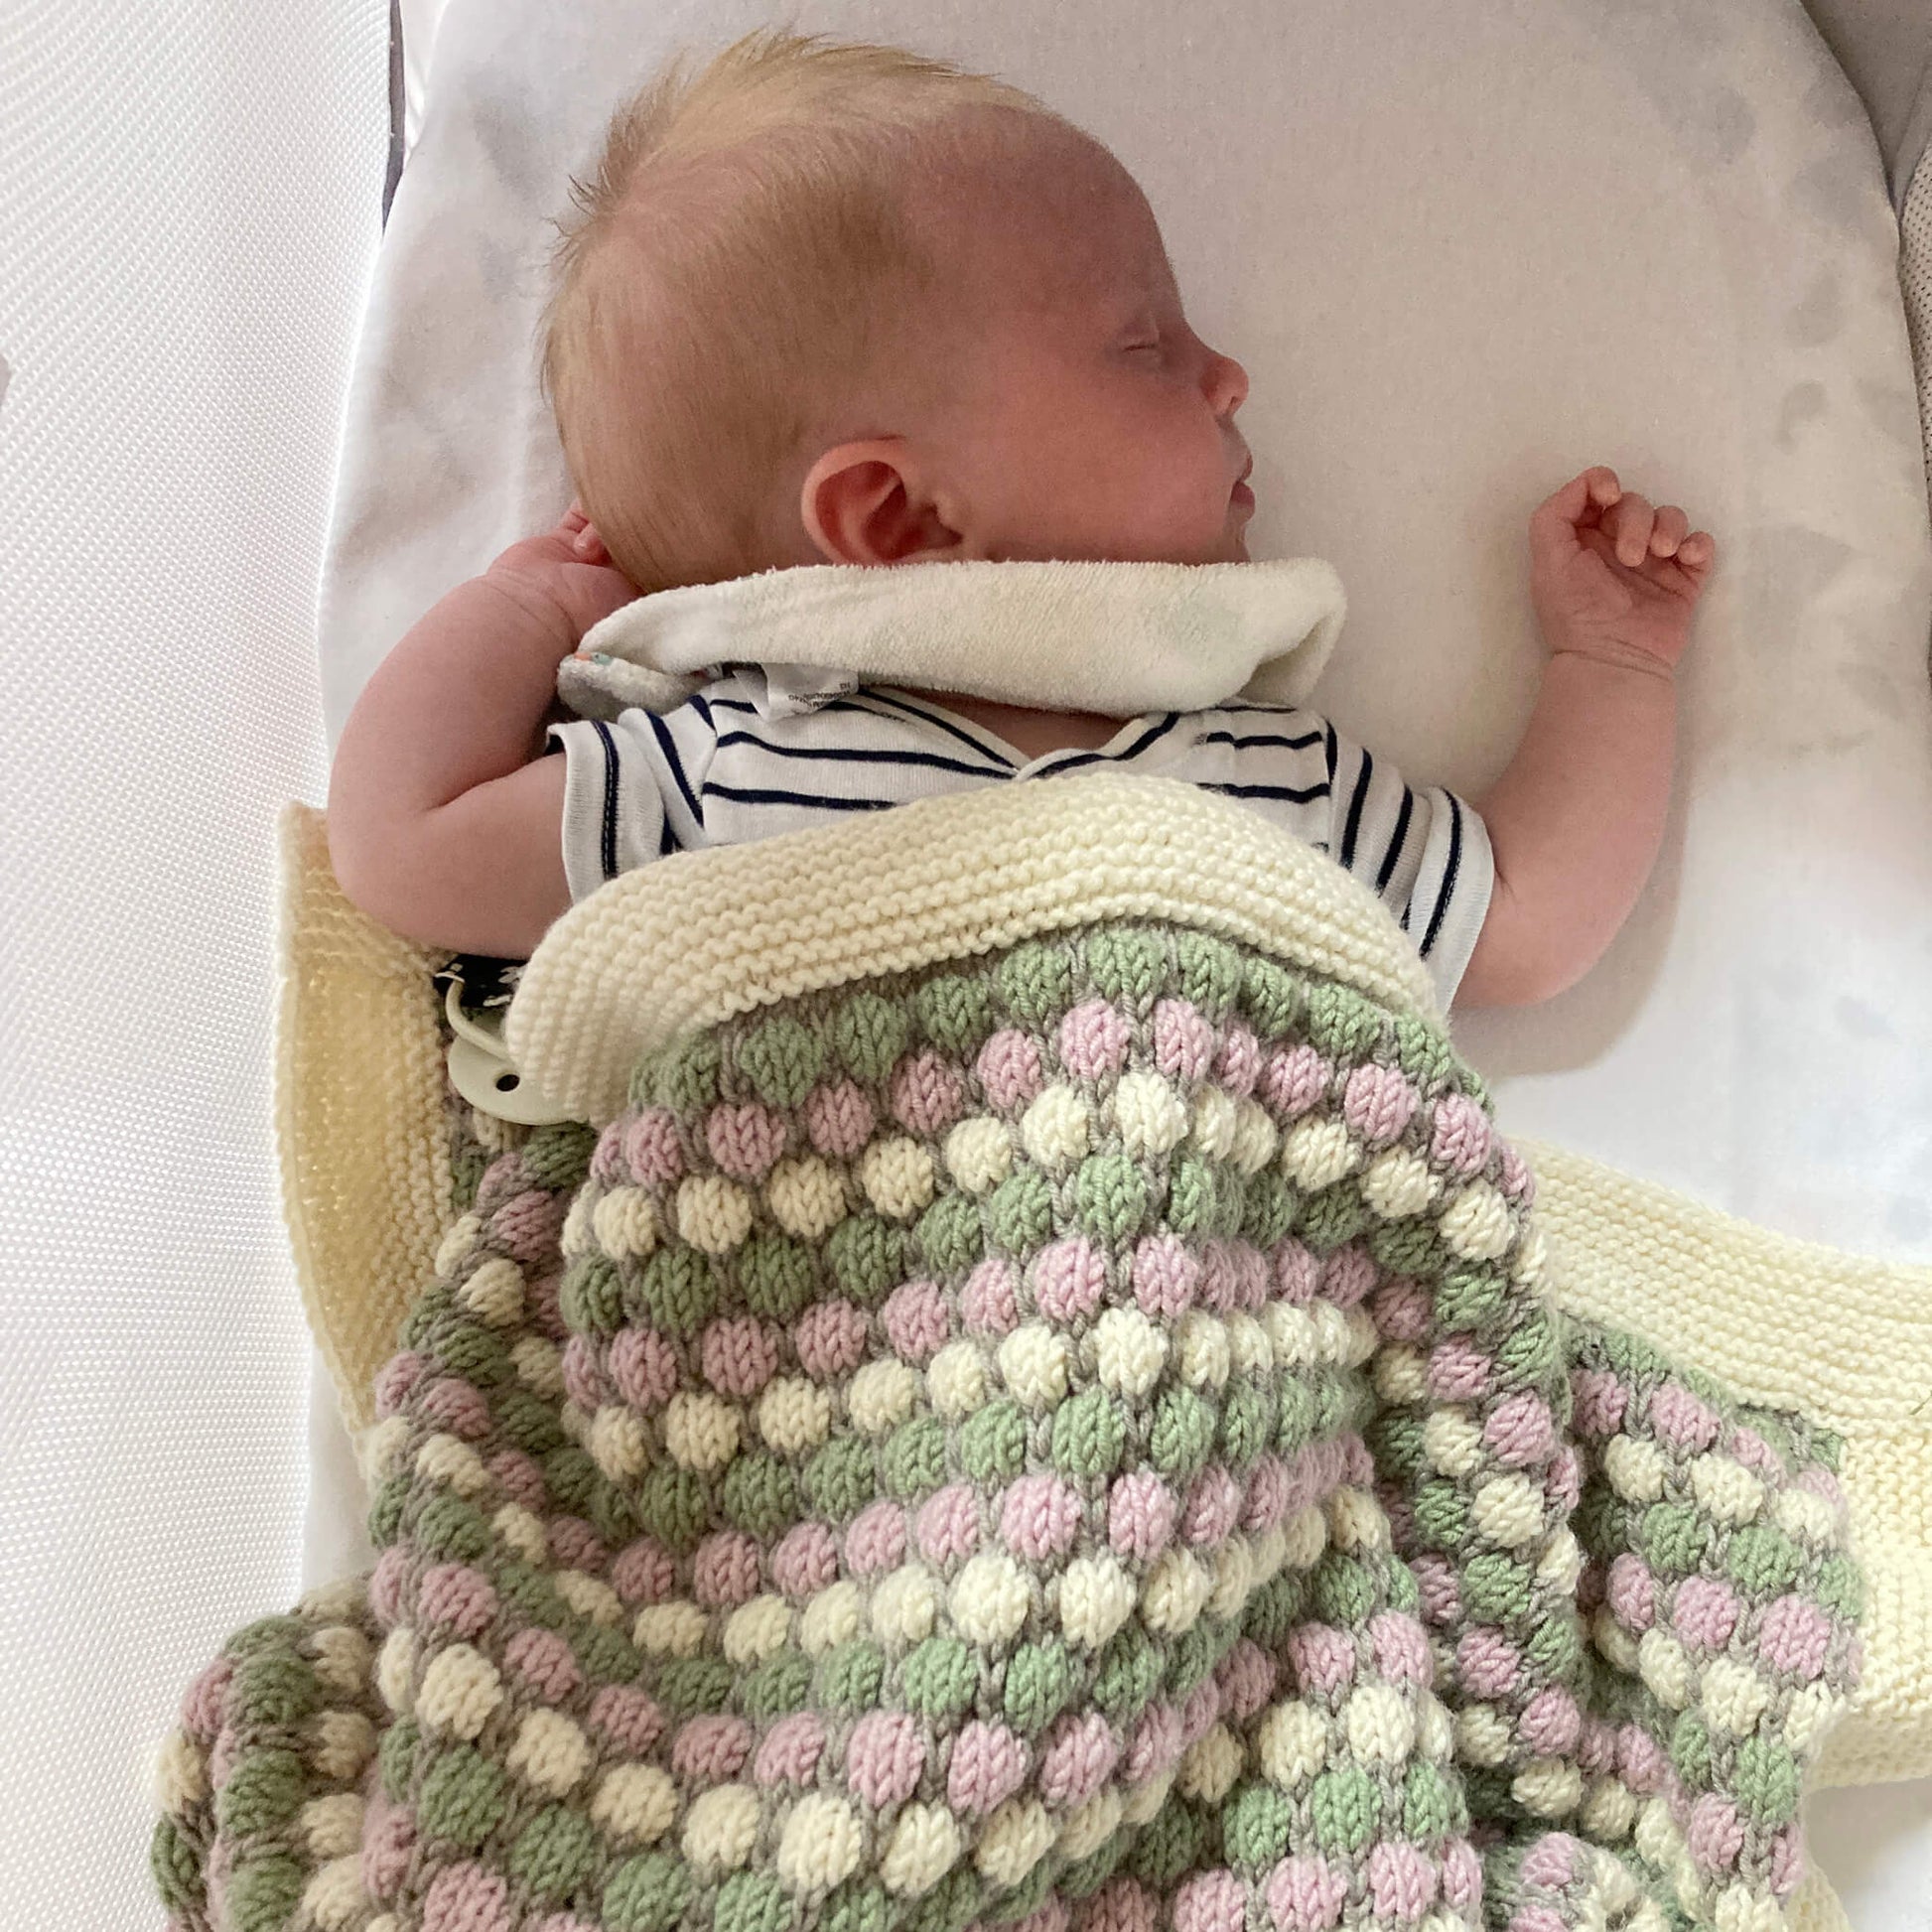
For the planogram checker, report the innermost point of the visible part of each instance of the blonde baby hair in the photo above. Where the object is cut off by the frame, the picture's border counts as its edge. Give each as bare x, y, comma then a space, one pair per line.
740, 261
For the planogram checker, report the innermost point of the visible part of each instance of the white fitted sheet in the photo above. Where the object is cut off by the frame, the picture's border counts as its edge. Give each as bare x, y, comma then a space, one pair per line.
1462, 252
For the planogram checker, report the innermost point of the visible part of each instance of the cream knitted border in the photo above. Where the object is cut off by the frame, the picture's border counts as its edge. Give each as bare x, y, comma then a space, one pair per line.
703, 936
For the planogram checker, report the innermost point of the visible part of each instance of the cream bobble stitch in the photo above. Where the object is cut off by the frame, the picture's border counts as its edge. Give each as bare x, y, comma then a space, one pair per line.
494, 1292
794, 1416
1476, 1225
713, 1214
898, 1177
332, 1825
1234, 1580
924, 1846
1129, 1351
1096, 1598
669, 1629
830, 1618
1249, 1349
1017, 1837
1214, 1123
539, 1366
459, 1691
394, 1665
903, 1605
1291, 1336
1176, 1593
521, 1530
979, 1153
700, 1430
1451, 1439
756, 1630
1202, 1345
822, 1844
590, 1596
721, 1830
1056, 1127
626, 1223
1209, 1769
1292, 1744
1318, 1153
1149, 1115
1380, 1724
1256, 1138
1399, 1185
807, 1196
1033, 1364
880, 1395
955, 1379
989, 1598
550, 1753
454, 1464
1088, 1828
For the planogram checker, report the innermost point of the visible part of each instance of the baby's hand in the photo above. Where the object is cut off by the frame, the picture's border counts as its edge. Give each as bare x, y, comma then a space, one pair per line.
567, 575
1611, 577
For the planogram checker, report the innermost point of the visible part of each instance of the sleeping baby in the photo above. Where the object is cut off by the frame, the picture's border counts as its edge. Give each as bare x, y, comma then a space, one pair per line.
833, 314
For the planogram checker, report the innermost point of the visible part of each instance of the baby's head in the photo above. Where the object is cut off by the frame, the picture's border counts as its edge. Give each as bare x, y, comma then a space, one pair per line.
842, 304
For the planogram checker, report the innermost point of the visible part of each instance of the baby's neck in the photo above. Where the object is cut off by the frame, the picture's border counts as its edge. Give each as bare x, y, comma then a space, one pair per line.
1033, 733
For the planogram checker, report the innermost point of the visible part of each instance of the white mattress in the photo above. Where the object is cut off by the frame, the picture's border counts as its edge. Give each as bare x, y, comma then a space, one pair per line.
1462, 252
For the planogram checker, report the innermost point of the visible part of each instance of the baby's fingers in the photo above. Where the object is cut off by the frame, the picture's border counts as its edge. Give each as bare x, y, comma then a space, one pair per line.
1628, 525
1555, 521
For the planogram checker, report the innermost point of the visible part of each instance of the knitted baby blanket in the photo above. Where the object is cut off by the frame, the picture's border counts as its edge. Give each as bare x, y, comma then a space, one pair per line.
1031, 1394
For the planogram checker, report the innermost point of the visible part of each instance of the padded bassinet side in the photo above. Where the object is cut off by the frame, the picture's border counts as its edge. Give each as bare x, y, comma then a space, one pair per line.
367, 1184
1915, 280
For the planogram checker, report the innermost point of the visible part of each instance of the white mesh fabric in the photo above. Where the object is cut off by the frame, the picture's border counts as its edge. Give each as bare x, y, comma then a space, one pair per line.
190, 192
1915, 278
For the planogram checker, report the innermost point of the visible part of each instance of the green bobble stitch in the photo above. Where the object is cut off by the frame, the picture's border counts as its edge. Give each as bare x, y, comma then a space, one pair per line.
532, 1594
1183, 1434
840, 1477
752, 1902
449, 1528
777, 1687
1085, 1876
1020, 1212
1110, 1196
263, 1792
914, 1458
856, 1908
264, 1893
461, 1798
950, 1235
1395, 1440
1195, 1653
174, 1865
1674, 1538
559, 1155
1089, 1434
761, 1494
1766, 1777
1332, 1218
690, 1687
396, 1756
950, 1906
1247, 1418
1255, 1827
1036, 981
676, 1291
1826, 1449
1470, 1298
1191, 1201
1341, 1591
1129, 1675
1528, 1353
867, 1258
1405, 1593
1293, 1416
1344, 1807
1428, 1806
1763, 1560
384, 1520
782, 1060
868, 1034
1491, 1802
674, 1505
1343, 1024
1330, 1394
1422, 1052
775, 1276
1690, 1749
938, 1679
1442, 1514
591, 1297
554, 1852
1555, 1645
571, 1478
277, 1690
1598, 1520
1128, 967
1271, 998
1496, 1587
687, 1076
1406, 1247
1039, 1683
1211, 972
646, 1894
432, 1305
1267, 1210
851, 1676
1274, 1609
468, 1349
1025, 1898
1840, 1589
993, 1443
606, 1656
529, 1423
610, 1515
1164, 1849
955, 1012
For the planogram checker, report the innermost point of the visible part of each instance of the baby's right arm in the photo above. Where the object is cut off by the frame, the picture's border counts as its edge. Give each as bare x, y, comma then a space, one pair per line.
445, 819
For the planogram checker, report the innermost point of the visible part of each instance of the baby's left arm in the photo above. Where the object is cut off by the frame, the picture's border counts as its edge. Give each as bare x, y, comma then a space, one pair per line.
1576, 820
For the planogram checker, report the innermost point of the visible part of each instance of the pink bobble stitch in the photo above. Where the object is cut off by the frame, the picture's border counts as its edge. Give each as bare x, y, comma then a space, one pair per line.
1165, 1276
546, 1662
877, 1538
805, 1560
949, 1524
1140, 1515
1219, 1286
643, 1572
397, 1376
221, 1759
989, 1764
1788, 1860
1599, 1400
385, 1582
1639, 1760
830, 1338
200, 1705
1039, 1516
530, 1225
1212, 1508
583, 1380
388, 1843
1461, 1873
1294, 1078
1247, 1677
917, 1321
607, 1167
627, 1717
1632, 1593
1156, 1743
519, 1479
455, 1594
1183, 1041
651, 1146
1049, 1917
1093, 1039
1551, 1721
746, 1140
1460, 1135
1377, 1103
1518, 1183
1487, 1663
1081, 1753
988, 1299
1401, 1310
1753, 1451
1401, 1881
1266, 1502
1681, 1419
467, 1899
1306, 1895
1563, 1481
1209, 1901
709, 1750
1198, 1713
460, 1407
928, 1094
838, 1119
738, 1355
1715, 1834
575, 1544
726, 1569
1119, 1905
1520, 1430
1238, 1065
791, 1750
1795, 1637
543, 1298
1068, 1278
1705, 1612
1459, 1371
1357, 1464
1401, 1647
1348, 1275
643, 1367
1295, 1271
1009, 1070
1537, 1919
